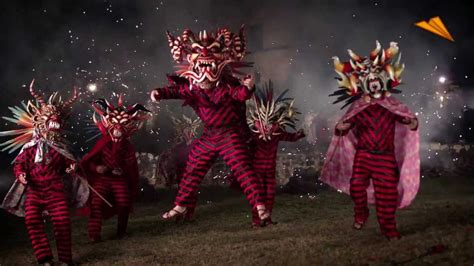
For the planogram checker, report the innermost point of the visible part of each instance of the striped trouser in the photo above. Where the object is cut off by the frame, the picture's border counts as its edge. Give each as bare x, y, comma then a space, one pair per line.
382, 169
231, 146
119, 188
48, 196
268, 181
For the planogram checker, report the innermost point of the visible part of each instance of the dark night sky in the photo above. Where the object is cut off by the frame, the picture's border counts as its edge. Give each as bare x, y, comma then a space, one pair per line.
121, 46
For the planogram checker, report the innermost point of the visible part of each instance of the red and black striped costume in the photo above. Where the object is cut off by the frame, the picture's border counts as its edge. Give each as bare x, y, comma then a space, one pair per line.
264, 163
120, 190
374, 128
222, 110
45, 192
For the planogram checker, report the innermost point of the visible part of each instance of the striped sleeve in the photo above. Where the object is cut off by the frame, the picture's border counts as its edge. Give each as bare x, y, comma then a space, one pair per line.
287, 136
21, 165
174, 92
241, 93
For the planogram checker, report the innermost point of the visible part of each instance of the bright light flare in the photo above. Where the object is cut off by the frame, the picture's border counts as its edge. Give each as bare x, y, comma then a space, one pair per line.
92, 87
442, 79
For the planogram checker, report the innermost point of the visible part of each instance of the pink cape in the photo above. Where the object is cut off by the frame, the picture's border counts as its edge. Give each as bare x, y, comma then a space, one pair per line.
337, 169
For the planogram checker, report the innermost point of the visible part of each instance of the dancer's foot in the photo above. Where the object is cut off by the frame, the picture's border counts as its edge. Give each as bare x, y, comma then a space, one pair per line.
189, 216
122, 235
67, 263
358, 225
269, 222
393, 236
263, 213
359, 222
47, 263
177, 212
256, 226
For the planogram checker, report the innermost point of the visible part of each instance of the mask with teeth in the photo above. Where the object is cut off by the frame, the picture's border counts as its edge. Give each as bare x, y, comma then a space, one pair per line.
47, 118
119, 122
375, 76
268, 115
206, 57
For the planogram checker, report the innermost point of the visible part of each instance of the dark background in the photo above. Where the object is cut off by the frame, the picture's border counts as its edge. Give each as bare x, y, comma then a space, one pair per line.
121, 47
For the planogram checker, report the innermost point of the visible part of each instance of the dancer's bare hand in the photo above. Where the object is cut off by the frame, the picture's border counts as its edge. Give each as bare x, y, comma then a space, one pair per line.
300, 133
22, 178
248, 81
342, 126
413, 124
101, 169
155, 96
71, 169
117, 171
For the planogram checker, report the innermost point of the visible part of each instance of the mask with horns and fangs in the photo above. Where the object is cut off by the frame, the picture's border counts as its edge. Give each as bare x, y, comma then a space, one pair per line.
43, 119
205, 58
119, 121
374, 76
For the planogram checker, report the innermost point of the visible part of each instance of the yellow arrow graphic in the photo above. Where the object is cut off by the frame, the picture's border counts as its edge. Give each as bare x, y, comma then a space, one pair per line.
435, 25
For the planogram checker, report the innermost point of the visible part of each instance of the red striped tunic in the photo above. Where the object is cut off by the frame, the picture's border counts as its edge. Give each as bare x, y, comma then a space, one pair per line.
266, 151
374, 128
53, 166
45, 191
218, 107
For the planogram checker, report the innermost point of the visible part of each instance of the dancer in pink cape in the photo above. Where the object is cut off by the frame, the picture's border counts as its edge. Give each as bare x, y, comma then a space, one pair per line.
374, 153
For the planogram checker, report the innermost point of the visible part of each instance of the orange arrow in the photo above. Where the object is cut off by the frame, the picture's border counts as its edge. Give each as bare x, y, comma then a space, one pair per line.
435, 25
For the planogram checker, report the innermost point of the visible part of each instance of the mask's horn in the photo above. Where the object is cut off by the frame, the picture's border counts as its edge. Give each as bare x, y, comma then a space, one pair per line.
376, 51
36, 95
188, 35
72, 99
120, 100
176, 47
353, 55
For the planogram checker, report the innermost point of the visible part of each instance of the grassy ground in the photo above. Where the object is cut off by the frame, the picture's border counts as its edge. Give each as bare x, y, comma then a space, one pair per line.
310, 231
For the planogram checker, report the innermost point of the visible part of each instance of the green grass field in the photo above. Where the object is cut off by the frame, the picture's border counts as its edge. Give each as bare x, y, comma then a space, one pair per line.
310, 232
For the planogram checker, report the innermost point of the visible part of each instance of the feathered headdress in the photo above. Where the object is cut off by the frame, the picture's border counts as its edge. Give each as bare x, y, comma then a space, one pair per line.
22, 117
30, 117
267, 113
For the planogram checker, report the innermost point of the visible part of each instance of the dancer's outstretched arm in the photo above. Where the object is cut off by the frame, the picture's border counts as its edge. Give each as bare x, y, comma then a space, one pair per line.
412, 123
21, 166
244, 91
343, 127
292, 137
170, 92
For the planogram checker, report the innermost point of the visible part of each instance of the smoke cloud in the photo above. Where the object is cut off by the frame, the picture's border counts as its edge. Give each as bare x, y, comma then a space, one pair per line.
120, 46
